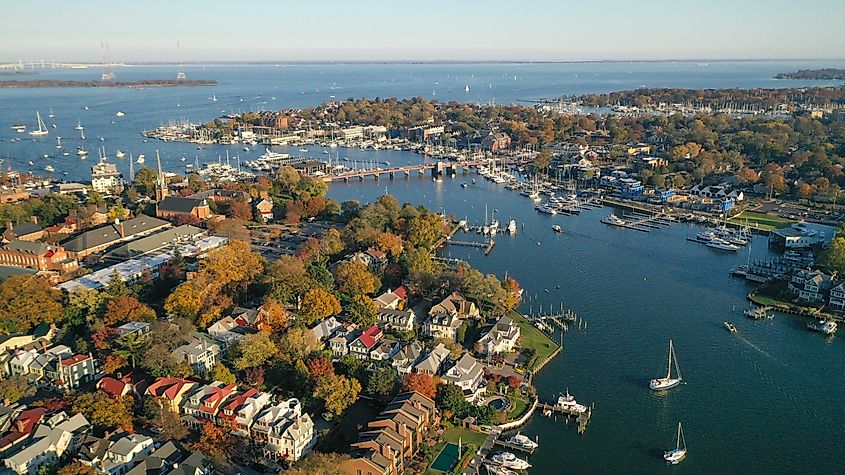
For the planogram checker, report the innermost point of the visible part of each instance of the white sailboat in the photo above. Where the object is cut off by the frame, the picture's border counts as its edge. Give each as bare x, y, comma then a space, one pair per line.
659, 384
677, 455
120, 154
42, 129
51, 115
79, 125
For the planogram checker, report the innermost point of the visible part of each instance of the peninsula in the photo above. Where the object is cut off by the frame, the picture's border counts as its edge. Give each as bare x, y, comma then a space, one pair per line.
831, 74
52, 83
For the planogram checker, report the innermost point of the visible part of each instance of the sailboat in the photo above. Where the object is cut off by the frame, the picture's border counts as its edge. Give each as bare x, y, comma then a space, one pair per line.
466, 88
659, 384
42, 129
120, 154
79, 125
51, 115
677, 455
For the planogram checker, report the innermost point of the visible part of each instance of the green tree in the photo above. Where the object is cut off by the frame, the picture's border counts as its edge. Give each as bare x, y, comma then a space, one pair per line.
362, 311
383, 383
103, 411
254, 350
221, 373
834, 257
21, 296
16, 388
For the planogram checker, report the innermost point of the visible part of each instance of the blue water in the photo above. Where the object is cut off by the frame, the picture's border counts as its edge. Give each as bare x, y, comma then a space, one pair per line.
303, 85
766, 400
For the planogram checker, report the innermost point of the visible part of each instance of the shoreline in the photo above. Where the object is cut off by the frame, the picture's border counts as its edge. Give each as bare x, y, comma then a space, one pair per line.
56, 84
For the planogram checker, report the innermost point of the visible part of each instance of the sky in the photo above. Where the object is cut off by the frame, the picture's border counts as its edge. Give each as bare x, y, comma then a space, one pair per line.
430, 30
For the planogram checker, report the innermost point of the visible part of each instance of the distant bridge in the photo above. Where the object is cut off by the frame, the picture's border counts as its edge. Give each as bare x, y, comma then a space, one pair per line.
439, 168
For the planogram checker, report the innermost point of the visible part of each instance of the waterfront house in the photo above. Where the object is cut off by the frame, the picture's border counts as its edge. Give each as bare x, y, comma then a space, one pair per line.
810, 286
170, 391
467, 374
837, 298
406, 358
501, 338
402, 320
456, 304
202, 404
360, 348
240, 410
173, 207
285, 431
431, 363
202, 353
798, 236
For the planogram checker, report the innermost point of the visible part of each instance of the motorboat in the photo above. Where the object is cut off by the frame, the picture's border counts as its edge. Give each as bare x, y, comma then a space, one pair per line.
614, 220
828, 327
721, 244
140, 159
19, 128
556, 228
705, 236
522, 441
49, 169
668, 382
499, 470
730, 326
464, 185
677, 455
512, 226
545, 209
119, 114
509, 460
567, 403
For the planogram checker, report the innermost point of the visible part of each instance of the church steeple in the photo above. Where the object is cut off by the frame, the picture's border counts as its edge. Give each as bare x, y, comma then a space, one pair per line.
161, 183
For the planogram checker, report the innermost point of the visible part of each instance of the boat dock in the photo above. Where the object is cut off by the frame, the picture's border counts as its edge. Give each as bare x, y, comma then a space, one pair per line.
582, 419
511, 446
644, 222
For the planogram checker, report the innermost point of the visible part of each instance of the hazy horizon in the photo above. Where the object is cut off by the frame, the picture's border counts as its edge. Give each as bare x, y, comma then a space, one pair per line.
438, 31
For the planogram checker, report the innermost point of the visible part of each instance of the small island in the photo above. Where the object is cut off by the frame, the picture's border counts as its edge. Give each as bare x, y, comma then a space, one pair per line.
831, 74
45, 83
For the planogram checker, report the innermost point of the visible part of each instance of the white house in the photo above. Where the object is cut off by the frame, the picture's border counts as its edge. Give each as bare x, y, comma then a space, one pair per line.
201, 353
501, 338
48, 444
431, 363
122, 455
467, 374
397, 319
442, 325
286, 432
239, 411
837, 298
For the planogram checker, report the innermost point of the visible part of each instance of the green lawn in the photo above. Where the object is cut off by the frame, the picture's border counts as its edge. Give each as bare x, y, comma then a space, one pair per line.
518, 408
534, 338
762, 220
453, 434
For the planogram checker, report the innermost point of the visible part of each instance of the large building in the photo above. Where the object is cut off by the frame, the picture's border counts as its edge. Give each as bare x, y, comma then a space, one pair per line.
101, 238
37, 255
105, 179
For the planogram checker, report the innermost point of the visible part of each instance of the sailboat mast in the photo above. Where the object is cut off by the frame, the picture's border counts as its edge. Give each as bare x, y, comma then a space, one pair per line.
669, 374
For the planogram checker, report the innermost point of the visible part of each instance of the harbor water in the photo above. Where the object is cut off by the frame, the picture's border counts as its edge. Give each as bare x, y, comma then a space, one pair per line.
764, 400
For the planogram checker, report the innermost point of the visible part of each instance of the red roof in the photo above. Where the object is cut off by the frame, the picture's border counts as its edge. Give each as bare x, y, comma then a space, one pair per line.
114, 387
74, 360
236, 402
23, 425
216, 397
370, 337
168, 387
402, 292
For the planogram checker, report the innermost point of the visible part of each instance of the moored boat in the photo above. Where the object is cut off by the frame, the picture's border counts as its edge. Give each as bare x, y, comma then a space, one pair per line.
556, 228
522, 441
828, 327
679, 453
509, 460
659, 384
730, 327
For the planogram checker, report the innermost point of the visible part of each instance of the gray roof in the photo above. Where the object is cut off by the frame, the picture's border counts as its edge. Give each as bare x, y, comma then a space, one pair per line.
165, 456
110, 234
25, 228
157, 241
29, 247
194, 464
127, 445
8, 271
177, 204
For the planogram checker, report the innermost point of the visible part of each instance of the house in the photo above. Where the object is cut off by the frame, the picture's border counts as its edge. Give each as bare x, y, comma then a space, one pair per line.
397, 319
170, 391
406, 358
810, 286
105, 179
158, 461
456, 304
134, 328
37, 255
837, 298
201, 353
29, 231
360, 348
195, 464
430, 364
501, 338
116, 387
384, 350
42, 332
493, 141
392, 299
467, 374
265, 209
326, 329
240, 410
797, 236
123, 454
286, 432
442, 325
21, 428
393, 438
340, 343
172, 207
49, 443
99, 239
9, 412
228, 331
202, 404
73, 371
56, 368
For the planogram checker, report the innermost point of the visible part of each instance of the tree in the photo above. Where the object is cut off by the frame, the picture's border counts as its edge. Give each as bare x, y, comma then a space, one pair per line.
127, 309
298, 343
20, 296
213, 442
185, 302
834, 257
241, 210
542, 160
15, 388
362, 311
232, 229
319, 367
337, 392
132, 346
273, 317
353, 278
160, 362
425, 230
254, 350
221, 373
113, 363
419, 382
145, 181
254, 377
104, 412
318, 463
77, 468
116, 287
450, 397
89, 302
318, 304
231, 266
383, 383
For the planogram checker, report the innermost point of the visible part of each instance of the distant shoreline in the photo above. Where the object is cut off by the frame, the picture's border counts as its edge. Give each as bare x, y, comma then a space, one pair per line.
55, 83
827, 74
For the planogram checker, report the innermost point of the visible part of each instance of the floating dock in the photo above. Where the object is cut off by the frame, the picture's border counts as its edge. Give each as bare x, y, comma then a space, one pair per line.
581, 418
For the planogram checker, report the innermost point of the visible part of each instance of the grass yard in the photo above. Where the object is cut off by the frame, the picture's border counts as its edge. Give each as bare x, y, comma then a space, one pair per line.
453, 434
762, 220
518, 408
534, 338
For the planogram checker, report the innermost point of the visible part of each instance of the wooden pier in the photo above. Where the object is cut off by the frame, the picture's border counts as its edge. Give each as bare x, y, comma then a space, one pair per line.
508, 445
581, 418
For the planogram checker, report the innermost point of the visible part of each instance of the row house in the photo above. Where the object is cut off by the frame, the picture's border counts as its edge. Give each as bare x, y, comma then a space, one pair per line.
394, 437
501, 338
286, 432
837, 298
238, 413
202, 405
202, 353
170, 391
402, 320
56, 368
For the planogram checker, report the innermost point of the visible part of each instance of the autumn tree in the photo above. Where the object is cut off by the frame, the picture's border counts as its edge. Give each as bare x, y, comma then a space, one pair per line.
185, 302
15, 388
318, 304
419, 382
319, 367
241, 210
104, 412
221, 373
254, 350
76, 468
353, 278
298, 343
273, 317
834, 257
20, 296
542, 160
127, 309
337, 392
213, 441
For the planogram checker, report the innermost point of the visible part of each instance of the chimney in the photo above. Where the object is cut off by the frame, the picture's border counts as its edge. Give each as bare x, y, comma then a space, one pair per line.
34, 219
120, 228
